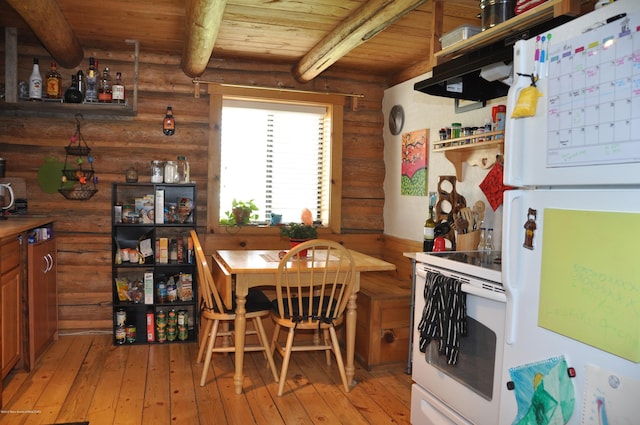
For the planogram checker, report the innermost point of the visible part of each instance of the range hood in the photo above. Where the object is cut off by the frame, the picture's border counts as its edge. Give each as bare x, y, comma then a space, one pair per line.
463, 77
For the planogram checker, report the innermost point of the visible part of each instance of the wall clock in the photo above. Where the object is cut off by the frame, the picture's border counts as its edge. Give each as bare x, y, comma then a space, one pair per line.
396, 119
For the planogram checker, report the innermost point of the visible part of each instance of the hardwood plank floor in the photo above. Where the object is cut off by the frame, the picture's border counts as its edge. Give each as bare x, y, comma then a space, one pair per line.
86, 378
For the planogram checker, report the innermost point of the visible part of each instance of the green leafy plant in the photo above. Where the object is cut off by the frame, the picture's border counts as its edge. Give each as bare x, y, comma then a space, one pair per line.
242, 212
299, 231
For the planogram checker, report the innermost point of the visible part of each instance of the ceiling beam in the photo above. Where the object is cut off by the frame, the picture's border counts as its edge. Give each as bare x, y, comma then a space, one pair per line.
47, 22
363, 24
203, 19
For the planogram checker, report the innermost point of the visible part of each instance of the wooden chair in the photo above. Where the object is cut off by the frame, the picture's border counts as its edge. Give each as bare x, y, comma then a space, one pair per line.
312, 293
212, 312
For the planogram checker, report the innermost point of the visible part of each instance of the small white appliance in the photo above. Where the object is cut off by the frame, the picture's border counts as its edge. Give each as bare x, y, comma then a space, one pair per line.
571, 227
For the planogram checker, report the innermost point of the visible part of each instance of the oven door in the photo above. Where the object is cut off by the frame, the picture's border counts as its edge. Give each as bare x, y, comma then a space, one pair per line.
470, 389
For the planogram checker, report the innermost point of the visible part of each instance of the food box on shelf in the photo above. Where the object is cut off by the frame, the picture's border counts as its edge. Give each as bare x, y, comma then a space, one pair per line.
459, 34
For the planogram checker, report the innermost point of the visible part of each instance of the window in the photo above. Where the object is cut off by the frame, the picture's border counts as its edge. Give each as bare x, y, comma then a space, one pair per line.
261, 160
272, 153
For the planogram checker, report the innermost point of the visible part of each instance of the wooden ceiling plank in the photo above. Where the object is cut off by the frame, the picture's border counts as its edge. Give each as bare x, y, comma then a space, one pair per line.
372, 16
203, 19
47, 22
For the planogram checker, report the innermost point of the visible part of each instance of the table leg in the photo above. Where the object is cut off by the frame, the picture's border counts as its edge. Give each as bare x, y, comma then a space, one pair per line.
240, 324
351, 338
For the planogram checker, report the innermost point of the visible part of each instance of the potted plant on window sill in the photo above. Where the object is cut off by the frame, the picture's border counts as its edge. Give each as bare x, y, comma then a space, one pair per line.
298, 233
242, 212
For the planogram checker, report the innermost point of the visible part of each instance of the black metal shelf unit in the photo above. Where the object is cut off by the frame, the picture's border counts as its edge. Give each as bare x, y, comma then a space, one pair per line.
153, 266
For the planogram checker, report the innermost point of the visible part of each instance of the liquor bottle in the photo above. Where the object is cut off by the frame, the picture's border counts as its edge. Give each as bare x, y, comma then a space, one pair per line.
429, 232
169, 123
35, 82
82, 84
54, 82
91, 90
73, 94
104, 89
117, 90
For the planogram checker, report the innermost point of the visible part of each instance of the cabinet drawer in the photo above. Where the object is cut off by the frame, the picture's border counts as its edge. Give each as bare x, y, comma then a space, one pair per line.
9, 254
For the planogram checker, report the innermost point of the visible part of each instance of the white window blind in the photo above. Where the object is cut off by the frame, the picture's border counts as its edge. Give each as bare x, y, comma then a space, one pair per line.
274, 154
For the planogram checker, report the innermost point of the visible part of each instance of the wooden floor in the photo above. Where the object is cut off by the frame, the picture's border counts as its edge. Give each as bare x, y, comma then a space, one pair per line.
86, 378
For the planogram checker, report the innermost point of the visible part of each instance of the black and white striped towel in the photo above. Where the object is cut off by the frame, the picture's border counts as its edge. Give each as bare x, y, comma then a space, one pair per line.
444, 318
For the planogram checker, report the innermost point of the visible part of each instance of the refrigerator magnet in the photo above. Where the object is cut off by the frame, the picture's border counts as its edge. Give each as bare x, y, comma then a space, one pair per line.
530, 227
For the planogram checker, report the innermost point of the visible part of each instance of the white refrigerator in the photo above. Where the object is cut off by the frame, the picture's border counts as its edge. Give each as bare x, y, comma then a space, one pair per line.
571, 226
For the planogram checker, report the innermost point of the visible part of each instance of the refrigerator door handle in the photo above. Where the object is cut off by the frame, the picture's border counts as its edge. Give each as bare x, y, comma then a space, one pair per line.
511, 199
514, 126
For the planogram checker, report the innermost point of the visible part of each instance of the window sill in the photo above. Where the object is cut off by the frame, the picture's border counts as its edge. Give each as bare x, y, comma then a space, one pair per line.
261, 229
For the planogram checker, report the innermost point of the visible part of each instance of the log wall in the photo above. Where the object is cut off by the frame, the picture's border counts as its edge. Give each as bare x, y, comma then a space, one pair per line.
83, 227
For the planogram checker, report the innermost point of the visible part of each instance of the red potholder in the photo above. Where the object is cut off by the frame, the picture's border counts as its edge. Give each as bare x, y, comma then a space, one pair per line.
492, 186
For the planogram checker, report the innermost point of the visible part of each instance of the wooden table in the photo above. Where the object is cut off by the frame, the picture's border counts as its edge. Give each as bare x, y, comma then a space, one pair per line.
250, 268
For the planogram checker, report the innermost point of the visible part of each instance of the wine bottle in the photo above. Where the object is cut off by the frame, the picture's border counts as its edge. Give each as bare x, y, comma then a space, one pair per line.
104, 89
35, 82
73, 94
169, 123
91, 90
54, 82
429, 232
117, 90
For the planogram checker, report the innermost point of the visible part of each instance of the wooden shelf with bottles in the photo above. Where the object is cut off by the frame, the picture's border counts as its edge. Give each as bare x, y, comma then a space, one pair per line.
12, 106
25, 108
539, 14
474, 150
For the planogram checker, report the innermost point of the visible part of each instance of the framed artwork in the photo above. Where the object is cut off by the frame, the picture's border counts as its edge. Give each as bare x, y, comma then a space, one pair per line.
415, 155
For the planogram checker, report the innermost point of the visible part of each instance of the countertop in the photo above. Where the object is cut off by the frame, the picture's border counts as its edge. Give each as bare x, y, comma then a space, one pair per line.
16, 224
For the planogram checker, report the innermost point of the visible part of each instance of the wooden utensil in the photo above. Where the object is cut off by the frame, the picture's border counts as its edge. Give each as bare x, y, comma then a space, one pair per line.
478, 210
467, 215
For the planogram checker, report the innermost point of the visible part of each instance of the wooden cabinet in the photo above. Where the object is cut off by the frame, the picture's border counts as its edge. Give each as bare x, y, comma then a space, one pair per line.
42, 297
10, 321
382, 325
154, 271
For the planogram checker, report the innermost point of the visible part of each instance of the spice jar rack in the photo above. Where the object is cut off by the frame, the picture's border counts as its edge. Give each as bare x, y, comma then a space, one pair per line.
475, 150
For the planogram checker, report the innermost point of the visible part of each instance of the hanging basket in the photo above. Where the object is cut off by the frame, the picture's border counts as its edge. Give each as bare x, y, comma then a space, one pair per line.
75, 175
78, 194
79, 150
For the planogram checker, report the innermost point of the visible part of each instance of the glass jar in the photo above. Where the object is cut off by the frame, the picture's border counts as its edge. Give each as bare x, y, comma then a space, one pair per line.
456, 129
171, 172
184, 172
157, 171
132, 175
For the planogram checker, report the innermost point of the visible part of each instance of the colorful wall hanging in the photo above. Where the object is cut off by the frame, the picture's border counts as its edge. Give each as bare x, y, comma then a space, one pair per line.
415, 155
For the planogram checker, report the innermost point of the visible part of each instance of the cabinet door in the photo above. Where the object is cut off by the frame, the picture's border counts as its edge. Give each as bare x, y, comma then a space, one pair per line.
43, 304
10, 296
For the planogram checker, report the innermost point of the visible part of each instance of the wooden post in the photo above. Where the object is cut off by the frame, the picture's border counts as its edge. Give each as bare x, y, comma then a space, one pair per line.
11, 65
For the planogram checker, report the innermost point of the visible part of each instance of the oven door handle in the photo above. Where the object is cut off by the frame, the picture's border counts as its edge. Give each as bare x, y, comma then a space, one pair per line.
421, 273
484, 293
